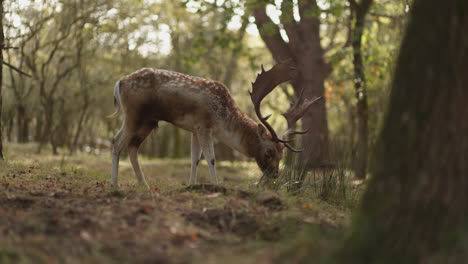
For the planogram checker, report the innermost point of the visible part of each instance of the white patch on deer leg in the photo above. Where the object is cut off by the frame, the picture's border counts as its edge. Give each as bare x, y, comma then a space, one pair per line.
196, 155
117, 146
133, 154
206, 143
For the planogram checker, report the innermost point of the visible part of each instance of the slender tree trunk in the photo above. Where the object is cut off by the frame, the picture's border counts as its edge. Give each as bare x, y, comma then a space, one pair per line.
38, 129
231, 70
2, 37
163, 145
360, 10
10, 128
46, 136
74, 144
22, 124
177, 134
415, 208
83, 80
152, 145
178, 148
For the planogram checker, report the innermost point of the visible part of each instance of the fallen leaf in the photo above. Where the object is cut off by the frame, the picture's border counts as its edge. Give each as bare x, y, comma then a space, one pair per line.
51, 259
18, 214
146, 209
5, 184
194, 237
86, 236
213, 195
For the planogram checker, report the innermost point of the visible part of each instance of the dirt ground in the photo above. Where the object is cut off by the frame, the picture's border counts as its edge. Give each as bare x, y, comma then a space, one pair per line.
60, 209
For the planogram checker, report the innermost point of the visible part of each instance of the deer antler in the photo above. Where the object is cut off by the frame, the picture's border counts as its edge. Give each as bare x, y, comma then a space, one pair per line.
294, 113
265, 83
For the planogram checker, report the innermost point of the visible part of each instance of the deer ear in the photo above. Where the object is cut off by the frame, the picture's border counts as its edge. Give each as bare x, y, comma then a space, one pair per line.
262, 131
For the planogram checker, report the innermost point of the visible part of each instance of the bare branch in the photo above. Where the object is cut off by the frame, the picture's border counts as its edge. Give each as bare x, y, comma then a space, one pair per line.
289, 24
270, 34
16, 69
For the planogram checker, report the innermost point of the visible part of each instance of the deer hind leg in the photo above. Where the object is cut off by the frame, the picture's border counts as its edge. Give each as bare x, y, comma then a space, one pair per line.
196, 156
206, 142
118, 143
133, 146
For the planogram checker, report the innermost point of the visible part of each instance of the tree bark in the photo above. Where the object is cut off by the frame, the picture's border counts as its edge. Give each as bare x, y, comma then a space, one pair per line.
305, 50
48, 107
83, 81
2, 37
22, 124
315, 142
38, 129
415, 208
178, 147
362, 107
9, 130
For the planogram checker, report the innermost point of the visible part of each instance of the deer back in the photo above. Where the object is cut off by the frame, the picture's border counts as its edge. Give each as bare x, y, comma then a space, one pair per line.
184, 100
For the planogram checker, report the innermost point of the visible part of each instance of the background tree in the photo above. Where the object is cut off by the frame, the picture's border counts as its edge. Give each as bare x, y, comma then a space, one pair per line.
414, 209
108, 39
1, 75
304, 46
362, 108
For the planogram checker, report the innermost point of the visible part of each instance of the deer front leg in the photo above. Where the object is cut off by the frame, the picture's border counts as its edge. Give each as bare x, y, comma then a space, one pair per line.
195, 155
206, 142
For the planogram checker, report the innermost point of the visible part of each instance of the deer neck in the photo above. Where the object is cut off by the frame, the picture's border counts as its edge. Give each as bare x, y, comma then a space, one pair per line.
240, 133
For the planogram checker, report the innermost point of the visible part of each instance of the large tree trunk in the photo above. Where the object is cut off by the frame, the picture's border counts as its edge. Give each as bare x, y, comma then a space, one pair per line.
415, 209
315, 142
306, 51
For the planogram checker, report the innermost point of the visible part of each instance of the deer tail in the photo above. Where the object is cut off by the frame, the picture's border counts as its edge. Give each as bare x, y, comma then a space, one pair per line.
117, 102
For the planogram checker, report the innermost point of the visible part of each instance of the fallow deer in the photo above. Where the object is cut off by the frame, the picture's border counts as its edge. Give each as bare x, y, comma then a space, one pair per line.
205, 108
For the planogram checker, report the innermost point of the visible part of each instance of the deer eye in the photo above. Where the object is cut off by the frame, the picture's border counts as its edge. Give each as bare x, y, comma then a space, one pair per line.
269, 153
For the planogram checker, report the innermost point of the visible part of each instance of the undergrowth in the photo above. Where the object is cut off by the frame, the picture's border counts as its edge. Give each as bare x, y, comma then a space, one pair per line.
331, 181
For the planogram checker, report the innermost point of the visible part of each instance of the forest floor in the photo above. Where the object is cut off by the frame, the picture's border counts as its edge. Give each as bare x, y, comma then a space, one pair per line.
61, 209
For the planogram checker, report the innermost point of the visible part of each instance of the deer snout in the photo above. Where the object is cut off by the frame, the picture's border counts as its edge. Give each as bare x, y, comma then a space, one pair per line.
270, 172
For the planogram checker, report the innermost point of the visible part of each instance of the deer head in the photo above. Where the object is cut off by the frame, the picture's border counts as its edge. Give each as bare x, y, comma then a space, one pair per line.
271, 146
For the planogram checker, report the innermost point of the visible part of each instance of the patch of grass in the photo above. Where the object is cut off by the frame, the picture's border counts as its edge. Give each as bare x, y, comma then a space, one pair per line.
8, 256
332, 182
117, 193
56, 203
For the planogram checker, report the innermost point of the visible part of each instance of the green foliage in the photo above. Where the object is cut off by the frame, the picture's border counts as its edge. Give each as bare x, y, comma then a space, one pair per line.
98, 42
204, 38
381, 38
